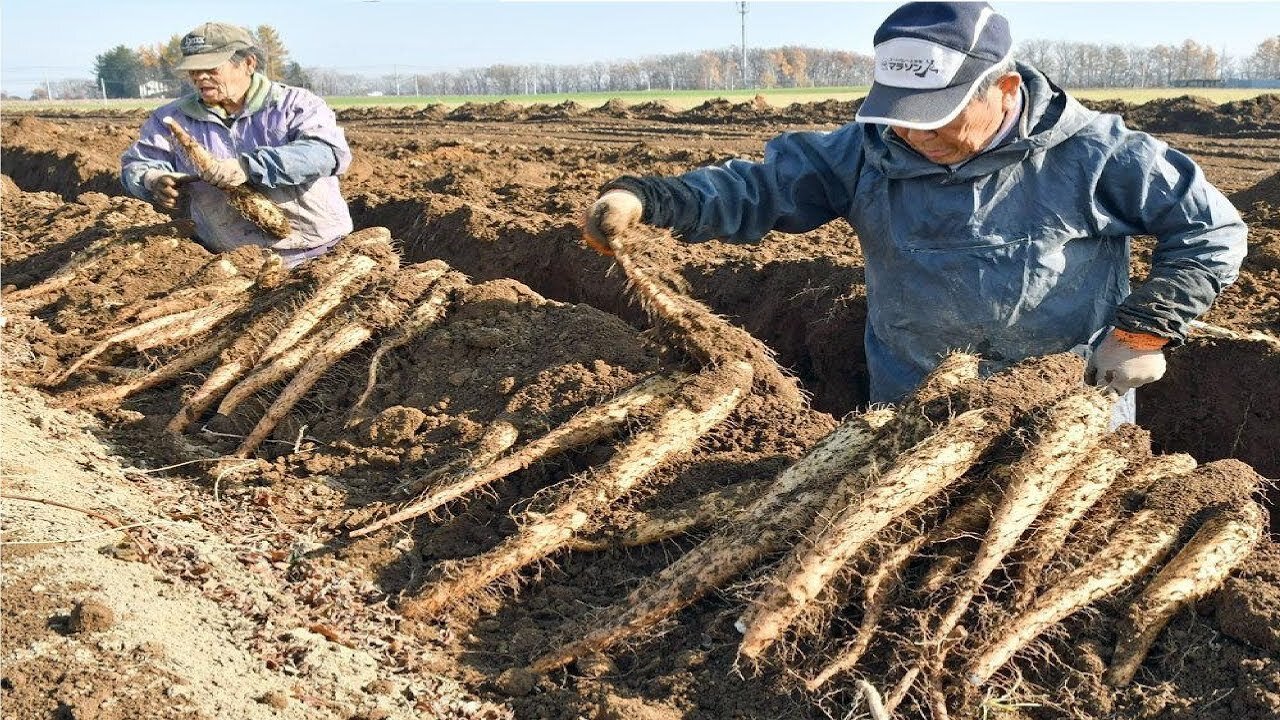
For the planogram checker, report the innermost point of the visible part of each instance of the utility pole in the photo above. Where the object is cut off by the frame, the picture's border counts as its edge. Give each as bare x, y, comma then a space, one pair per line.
742, 10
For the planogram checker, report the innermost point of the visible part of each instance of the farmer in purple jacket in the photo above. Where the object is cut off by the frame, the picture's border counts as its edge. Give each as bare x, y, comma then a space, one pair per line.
282, 140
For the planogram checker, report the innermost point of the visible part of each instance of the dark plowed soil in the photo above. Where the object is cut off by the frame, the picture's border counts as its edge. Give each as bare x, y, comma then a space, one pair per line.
545, 330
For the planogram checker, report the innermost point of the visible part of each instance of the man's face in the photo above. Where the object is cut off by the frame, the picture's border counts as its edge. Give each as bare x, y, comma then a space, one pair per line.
227, 83
970, 131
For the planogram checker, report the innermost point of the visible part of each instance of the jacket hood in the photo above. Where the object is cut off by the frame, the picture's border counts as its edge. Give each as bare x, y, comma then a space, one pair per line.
1049, 117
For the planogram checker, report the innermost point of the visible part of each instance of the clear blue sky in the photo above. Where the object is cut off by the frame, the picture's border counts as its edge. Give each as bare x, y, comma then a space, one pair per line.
60, 38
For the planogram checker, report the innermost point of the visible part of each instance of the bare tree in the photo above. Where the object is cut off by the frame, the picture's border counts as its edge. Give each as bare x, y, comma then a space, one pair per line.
1264, 63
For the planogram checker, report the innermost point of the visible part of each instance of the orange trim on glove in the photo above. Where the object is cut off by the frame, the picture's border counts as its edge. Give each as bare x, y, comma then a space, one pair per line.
1139, 340
602, 248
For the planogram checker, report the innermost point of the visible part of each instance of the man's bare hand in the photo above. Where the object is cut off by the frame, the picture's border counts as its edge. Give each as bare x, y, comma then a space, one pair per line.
610, 216
166, 188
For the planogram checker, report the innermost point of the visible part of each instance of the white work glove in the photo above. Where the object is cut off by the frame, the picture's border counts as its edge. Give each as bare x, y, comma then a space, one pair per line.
226, 174
1125, 360
165, 187
611, 215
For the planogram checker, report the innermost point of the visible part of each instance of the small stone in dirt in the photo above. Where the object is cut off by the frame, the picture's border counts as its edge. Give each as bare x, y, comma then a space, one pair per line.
525, 640
125, 550
380, 687
691, 659
485, 338
233, 471
595, 665
275, 699
515, 682
395, 425
91, 616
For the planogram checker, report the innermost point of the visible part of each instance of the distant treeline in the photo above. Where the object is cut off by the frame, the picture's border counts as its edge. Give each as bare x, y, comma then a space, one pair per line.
1068, 63
149, 70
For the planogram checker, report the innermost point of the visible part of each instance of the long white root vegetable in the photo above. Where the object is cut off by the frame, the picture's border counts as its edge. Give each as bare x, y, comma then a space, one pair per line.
186, 361
927, 469
251, 204
331, 351
352, 274
1200, 567
1094, 477
1068, 433
695, 410
1135, 482
1140, 543
154, 333
721, 504
585, 427
785, 507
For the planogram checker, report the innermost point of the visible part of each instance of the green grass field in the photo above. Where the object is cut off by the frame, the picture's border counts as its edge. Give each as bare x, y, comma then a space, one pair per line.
680, 99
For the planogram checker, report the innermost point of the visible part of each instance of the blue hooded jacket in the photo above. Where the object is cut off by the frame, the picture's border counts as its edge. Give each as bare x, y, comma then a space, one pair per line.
1021, 251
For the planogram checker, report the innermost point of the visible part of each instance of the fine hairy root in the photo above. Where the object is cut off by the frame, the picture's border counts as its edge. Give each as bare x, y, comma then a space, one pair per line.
251, 204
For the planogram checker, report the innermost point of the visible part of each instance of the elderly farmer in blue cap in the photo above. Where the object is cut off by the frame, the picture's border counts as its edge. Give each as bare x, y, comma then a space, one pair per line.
282, 140
994, 211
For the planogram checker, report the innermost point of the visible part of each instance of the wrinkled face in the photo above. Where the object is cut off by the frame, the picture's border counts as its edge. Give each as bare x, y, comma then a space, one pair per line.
971, 130
226, 84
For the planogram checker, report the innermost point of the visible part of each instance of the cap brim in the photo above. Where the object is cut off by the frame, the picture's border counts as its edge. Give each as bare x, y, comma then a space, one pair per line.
923, 109
205, 61
911, 108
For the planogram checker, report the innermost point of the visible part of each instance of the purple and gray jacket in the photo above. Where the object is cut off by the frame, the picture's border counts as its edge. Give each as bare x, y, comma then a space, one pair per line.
293, 150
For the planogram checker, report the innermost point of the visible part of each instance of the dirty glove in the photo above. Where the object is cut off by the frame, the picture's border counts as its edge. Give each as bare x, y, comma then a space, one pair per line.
608, 217
1125, 360
226, 174
165, 187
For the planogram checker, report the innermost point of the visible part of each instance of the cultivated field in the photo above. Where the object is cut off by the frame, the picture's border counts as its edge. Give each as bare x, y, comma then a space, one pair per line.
679, 99
237, 581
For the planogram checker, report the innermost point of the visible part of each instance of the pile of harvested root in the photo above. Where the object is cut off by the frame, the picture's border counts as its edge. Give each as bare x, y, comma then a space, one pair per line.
925, 545
915, 554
